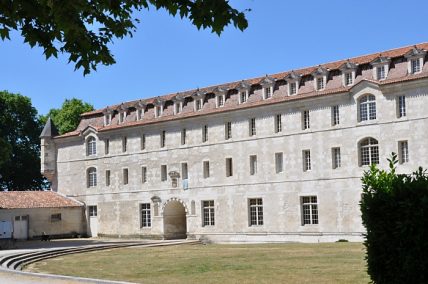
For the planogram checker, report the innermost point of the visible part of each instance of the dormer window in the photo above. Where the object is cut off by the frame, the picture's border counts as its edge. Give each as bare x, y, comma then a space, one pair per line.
220, 96
158, 111
198, 104
267, 92
220, 100
243, 91
158, 103
107, 118
198, 99
140, 107
243, 97
380, 71
415, 66
122, 116
178, 104
140, 114
267, 85
320, 77
293, 80
349, 80
348, 70
415, 58
380, 67
292, 88
320, 83
178, 107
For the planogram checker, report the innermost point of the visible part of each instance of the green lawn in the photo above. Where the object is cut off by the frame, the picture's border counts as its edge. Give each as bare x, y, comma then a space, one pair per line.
261, 263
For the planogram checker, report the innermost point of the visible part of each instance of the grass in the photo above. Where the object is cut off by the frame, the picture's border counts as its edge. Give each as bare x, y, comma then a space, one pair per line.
261, 263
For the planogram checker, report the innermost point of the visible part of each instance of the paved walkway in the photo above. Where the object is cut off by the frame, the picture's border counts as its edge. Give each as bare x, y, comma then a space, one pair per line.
20, 277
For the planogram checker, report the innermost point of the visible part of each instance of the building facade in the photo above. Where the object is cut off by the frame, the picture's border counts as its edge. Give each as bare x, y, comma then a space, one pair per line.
276, 158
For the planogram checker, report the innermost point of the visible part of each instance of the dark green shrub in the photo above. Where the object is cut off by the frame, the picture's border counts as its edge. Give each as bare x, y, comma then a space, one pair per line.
394, 210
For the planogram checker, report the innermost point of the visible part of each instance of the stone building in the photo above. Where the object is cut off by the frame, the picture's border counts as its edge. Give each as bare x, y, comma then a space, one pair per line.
33, 213
275, 158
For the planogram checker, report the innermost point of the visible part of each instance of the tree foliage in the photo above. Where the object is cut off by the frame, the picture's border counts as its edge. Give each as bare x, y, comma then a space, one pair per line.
83, 29
19, 144
395, 213
67, 117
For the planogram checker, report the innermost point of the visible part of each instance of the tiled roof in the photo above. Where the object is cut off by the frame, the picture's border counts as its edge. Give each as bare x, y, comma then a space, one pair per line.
394, 53
35, 199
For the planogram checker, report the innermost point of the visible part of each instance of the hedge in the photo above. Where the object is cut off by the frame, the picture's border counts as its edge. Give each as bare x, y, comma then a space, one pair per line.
394, 211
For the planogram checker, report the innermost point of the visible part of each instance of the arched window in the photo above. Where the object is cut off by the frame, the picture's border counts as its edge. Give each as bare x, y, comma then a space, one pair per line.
91, 146
369, 152
367, 105
91, 177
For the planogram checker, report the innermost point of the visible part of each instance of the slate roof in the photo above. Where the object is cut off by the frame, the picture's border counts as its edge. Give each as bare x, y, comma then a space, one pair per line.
35, 199
49, 130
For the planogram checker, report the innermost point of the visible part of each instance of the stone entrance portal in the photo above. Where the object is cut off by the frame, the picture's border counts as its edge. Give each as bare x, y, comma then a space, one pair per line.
174, 220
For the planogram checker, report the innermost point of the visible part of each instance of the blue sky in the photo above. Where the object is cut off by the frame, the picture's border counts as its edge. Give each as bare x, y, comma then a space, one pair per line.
168, 55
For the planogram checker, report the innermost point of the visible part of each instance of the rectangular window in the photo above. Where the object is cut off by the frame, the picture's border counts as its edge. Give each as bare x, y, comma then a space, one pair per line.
416, 66
177, 106
255, 211
92, 211
336, 160
229, 167
220, 101
305, 120
279, 162
208, 213
184, 171
401, 106
158, 111
143, 174
253, 165
163, 173
278, 123
205, 133
146, 215
56, 217
403, 150
107, 146
349, 80
252, 126
198, 104
335, 118
228, 130
293, 88
124, 144
243, 96
320, 83
206, 169
107, 177
125, 176
307, 160
162, 139
183, 136
268, 92
381, 72
309, 210
143, 141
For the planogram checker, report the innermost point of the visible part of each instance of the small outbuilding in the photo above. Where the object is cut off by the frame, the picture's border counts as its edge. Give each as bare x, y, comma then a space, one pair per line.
36, 213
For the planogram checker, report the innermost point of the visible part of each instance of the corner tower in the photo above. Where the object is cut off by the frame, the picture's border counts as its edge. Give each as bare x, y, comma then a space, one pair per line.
48, 153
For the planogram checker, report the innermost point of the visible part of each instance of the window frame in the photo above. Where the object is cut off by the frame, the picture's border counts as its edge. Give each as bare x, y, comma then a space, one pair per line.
278, 123
403, 151
368, 151
306, 119
252, 127
253, 165
336, 158
206, 169
335, 115
229, 167
146, 215
367, 108
309, 207
164, 173
91, 177
279, 162
208, 213
227, 130
307, 163
91, 146
401, 106
255, 212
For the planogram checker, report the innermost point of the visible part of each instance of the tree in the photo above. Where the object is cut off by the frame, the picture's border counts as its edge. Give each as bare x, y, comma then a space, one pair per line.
83, 28
67, 118
19, 144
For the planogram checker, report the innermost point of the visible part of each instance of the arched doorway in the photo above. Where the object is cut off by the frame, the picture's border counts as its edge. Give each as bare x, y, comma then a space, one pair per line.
174, 220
